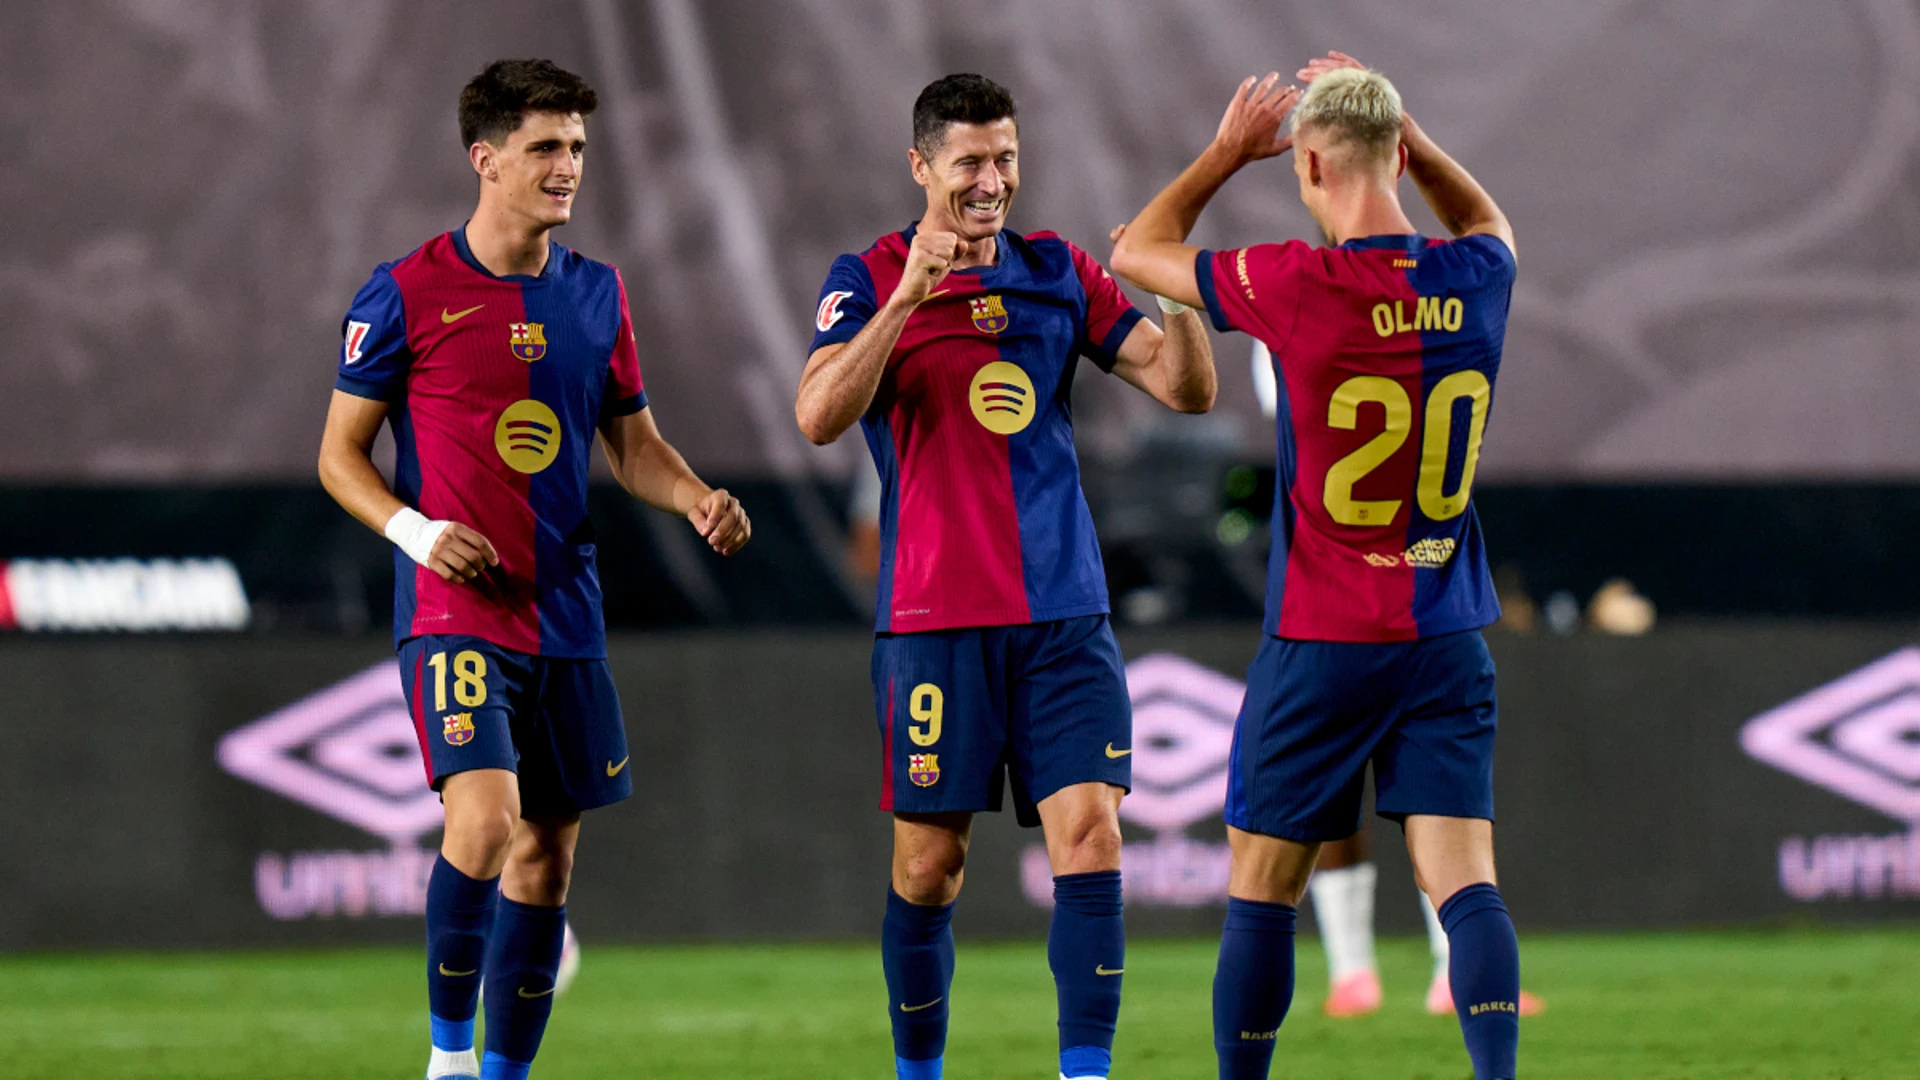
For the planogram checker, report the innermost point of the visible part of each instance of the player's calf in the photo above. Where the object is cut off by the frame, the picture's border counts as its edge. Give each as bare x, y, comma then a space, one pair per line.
460, 913
1253, 984
1454, 857
462, 899
916, 937
1087, 941
529, 935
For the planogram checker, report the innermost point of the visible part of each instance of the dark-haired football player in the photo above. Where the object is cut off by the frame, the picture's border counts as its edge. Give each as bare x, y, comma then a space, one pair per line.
497, 356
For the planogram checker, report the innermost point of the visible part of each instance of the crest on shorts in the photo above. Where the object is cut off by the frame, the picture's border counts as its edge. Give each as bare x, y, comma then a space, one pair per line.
458, 730
989, 314
529, 340
923, 769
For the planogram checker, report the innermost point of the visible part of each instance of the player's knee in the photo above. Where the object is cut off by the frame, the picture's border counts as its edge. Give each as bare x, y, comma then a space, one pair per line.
1091, 842
541, 871
931, 877
484, 833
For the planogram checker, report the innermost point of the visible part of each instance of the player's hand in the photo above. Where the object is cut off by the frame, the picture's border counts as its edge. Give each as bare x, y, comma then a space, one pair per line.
929, 261
460, 554
1118, 232
721, 519
1320, 65
1251, 129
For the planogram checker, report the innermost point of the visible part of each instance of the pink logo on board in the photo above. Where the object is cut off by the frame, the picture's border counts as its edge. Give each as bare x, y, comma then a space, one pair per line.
350, 753
1858, 737
1183, 717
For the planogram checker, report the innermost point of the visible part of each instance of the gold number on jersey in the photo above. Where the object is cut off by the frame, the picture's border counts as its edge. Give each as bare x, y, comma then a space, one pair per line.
1343, 413
469, 679
1434, 500
926, 703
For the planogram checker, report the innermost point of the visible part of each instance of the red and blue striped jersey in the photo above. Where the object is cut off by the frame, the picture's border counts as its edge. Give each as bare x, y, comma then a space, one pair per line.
1385, 351
497, 386
982, 520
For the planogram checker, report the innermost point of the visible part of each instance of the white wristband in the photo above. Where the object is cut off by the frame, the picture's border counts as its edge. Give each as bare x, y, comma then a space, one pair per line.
412, 533
1171, 307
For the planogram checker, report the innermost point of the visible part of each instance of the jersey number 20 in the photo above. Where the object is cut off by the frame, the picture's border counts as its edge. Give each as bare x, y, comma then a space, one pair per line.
1343, 412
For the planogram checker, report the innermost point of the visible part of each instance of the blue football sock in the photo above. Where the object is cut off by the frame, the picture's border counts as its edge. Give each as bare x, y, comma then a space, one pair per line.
1087, 949
1485, 975
523, 957
459, 918
1252, 987
916, 949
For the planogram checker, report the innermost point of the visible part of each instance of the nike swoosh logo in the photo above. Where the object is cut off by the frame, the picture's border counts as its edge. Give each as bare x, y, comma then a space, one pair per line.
614, 770
455, 974
458, 315
928, 1005
541, 994
1101, 969
1112, 753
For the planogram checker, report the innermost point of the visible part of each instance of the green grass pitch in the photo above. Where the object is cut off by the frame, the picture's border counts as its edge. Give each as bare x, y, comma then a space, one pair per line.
1804, 1005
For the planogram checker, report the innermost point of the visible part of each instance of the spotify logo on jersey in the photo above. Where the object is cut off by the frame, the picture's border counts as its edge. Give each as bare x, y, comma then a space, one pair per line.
527, 436
1002, 398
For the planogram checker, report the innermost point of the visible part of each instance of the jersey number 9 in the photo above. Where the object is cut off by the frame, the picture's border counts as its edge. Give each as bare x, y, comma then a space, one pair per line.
925, 704
1343, 412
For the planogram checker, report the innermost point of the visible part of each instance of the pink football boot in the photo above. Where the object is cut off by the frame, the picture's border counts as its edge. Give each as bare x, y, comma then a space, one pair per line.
1356, 995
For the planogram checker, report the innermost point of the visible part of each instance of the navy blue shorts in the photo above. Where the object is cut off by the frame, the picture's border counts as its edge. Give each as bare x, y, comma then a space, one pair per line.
959, 709
1317, 712
555, 722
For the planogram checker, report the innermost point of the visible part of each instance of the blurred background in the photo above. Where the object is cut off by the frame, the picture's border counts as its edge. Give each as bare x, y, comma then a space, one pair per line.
1700, 487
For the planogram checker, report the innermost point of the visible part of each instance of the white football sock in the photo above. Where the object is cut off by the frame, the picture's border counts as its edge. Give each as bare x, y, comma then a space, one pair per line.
453, 1063
1343, 909
1436, 937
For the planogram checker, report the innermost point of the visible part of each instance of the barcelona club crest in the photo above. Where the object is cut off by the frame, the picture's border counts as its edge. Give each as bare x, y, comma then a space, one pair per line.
989, 314
529, 340
923, 769
458, 729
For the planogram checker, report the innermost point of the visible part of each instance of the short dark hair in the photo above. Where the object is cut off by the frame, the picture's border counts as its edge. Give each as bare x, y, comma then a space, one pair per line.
494, 103
957, 99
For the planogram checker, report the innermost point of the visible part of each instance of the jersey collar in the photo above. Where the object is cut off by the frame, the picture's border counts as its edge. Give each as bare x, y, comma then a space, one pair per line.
1410, 242
466, 256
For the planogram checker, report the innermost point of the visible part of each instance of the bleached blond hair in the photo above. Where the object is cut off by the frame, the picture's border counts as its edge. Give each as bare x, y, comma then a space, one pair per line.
1354, 105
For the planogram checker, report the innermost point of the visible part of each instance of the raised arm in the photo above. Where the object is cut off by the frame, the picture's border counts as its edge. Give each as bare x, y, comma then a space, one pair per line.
1152, 252
840, 380
1451, 192
1454, 196
654, 472
1173, 366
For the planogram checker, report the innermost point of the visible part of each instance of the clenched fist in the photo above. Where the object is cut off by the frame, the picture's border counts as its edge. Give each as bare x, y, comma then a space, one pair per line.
929, 260
720, 518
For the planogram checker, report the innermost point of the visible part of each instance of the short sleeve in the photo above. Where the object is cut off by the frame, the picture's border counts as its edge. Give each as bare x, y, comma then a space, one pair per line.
1484, 256
847, 303
374, 358
1110, 315
625, 394
1255, 290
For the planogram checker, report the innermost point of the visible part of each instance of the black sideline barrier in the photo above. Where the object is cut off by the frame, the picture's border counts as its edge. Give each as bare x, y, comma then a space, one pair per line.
247, 792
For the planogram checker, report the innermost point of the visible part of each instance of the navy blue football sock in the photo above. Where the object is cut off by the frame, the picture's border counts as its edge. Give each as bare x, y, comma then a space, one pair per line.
459, 918
1087, 949
1485, 975
523, 957
1252, 987
916, 949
